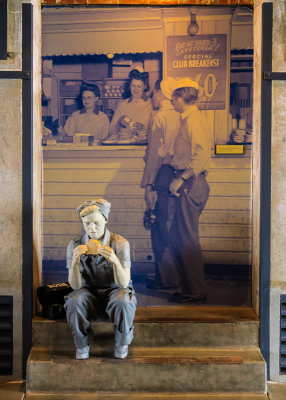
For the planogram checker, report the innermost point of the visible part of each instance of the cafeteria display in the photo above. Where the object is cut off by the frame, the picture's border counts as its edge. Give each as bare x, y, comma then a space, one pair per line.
130, 132
240, 134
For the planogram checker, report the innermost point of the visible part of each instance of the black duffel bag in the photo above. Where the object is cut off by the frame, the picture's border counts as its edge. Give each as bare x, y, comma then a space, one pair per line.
52, 299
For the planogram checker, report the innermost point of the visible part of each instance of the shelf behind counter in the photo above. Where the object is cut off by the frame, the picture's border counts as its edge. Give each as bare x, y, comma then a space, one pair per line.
72, 174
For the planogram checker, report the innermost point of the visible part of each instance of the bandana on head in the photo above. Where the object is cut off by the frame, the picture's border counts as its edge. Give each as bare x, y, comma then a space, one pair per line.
101, 205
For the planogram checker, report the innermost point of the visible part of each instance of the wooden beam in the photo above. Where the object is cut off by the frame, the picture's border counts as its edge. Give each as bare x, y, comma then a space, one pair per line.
148, 2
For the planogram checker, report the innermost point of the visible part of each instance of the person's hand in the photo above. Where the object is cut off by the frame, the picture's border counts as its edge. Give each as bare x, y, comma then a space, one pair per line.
79, 251
175, 186
124, 121
150, 197
108, 253
137, 126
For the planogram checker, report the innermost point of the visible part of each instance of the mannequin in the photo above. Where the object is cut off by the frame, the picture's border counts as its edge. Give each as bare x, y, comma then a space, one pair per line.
99, 272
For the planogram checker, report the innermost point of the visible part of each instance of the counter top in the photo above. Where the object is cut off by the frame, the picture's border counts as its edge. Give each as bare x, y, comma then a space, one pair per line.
71, 146
125, 150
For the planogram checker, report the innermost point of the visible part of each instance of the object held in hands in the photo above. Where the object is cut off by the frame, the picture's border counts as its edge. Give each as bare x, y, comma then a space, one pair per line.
124, 121
149, 219
93, 246
137, 126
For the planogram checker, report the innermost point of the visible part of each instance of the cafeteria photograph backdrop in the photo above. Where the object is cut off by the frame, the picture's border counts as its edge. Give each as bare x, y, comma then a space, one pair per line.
93, 45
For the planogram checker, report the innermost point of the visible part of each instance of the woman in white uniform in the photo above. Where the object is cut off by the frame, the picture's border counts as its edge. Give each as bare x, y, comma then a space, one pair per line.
89, 119
132, 116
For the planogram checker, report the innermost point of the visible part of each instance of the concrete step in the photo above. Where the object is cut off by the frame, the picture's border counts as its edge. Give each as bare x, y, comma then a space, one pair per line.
276, 390
160, 369
13, 390
161, 326
146, 396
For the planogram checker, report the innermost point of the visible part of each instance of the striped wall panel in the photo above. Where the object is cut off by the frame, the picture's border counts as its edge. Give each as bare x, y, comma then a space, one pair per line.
72, 176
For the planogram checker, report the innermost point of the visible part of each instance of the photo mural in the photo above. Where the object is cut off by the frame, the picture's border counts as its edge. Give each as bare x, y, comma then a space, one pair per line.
150, 109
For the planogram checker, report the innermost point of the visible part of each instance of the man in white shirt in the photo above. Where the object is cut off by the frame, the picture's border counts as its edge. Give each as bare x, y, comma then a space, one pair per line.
158, 173
192, 152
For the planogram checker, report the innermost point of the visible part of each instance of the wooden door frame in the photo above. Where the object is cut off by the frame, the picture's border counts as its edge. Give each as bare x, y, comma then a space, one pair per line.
262, 201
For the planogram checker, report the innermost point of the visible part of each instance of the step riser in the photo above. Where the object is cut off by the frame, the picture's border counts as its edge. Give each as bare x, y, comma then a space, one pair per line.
153, 334
196, 334
123, 376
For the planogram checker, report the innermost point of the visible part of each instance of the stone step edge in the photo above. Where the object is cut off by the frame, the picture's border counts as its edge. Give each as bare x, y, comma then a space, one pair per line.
153, 321
171, 355
146, 396
188, 314
167, 348
110, 342
109, 345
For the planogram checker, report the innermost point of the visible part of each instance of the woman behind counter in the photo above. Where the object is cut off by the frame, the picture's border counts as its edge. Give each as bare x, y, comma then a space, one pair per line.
89, 119
132, 116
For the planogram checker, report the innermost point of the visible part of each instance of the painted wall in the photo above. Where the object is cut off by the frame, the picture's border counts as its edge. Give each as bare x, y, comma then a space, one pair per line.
11, 174
278, 187
11, 180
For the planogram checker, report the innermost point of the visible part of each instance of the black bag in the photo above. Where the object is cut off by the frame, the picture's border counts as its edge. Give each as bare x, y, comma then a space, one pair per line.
52, 298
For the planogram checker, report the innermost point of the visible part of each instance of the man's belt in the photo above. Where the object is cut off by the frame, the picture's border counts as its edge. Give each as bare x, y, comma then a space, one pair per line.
179, 172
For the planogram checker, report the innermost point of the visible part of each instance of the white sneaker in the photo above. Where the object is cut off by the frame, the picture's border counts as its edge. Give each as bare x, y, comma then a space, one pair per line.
82, 354
120, 351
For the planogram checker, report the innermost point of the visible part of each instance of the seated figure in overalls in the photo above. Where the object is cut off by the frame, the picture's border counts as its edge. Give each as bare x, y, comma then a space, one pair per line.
99, 273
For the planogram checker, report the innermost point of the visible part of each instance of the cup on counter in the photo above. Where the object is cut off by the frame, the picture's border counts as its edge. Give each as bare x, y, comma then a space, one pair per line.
242, 124
234, 124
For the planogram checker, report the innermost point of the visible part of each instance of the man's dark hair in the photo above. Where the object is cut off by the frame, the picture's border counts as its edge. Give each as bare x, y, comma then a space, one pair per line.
91, 88
141, 76
157, 85
188, 94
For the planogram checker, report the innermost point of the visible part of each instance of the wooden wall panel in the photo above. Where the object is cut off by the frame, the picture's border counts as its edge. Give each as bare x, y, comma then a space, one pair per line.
116, 176
135, 229
208, 217
138, 203
226, 223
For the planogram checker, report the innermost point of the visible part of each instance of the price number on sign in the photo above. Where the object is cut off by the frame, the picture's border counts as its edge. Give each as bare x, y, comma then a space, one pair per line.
208, 87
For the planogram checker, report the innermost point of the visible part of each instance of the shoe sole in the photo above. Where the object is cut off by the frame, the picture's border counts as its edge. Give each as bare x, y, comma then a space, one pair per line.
124, 355
82, 358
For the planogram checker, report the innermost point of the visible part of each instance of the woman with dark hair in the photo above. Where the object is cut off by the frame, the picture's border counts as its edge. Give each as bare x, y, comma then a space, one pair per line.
89, 119
132, 117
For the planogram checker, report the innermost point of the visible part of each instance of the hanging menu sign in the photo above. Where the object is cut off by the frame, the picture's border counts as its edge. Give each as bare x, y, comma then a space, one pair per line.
203, 59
